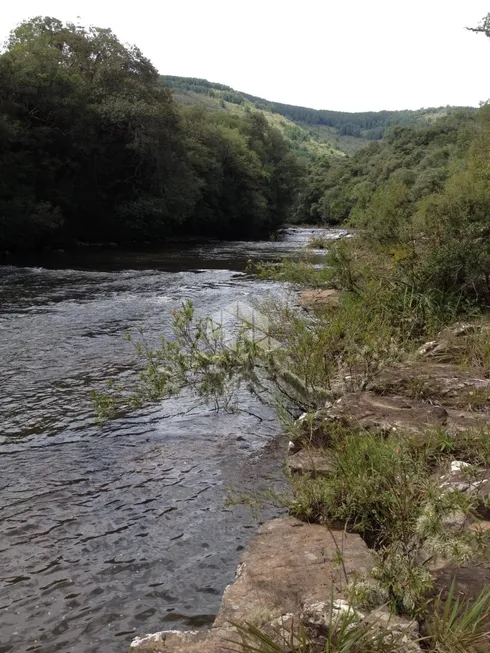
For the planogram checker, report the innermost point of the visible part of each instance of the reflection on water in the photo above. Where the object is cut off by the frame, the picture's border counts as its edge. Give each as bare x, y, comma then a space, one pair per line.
107, 532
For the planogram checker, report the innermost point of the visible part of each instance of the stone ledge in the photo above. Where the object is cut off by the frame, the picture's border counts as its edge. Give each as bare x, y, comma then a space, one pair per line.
287, 565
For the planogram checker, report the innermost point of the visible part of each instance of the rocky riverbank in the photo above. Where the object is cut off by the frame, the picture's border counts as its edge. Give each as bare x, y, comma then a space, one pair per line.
297, 577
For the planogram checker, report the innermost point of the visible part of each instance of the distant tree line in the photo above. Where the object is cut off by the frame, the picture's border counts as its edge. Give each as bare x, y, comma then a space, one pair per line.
203, 87
93, 149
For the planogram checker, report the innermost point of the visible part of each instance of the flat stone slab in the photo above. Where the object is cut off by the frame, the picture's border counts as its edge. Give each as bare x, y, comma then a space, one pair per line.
288, 564
310, 461
459, 420
372, 412
445, 383
319, 298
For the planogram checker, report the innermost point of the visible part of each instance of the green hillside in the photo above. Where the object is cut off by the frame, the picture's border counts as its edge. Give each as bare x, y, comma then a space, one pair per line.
307, 142
340, 131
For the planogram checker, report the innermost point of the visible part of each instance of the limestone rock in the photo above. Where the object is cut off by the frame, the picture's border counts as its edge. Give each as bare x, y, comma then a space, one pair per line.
310, 461
405, 632
322, 615
477, 485
327, 298
389, 621
290, 563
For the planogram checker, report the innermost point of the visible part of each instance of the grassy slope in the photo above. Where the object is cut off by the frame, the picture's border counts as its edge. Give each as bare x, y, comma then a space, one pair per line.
320, 131
308, 142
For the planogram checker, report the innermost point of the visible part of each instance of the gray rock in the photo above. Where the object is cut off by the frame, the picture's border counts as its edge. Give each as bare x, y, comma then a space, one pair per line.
310, 461
476, 485
405, 633
174, 641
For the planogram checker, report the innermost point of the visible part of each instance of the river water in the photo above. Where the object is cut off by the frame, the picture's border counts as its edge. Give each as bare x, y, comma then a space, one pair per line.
107, 532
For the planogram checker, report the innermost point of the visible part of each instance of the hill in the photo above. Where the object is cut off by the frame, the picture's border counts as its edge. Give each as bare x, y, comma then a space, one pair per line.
307, 142
340, 131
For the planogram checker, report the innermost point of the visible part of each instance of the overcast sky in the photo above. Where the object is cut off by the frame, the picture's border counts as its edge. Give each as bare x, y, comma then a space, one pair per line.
349, 55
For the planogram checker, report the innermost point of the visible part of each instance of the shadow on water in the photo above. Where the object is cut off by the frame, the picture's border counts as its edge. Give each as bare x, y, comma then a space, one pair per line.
107, 532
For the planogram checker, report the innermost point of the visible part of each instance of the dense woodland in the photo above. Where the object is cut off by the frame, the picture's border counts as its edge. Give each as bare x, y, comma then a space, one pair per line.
93, 149
418, 159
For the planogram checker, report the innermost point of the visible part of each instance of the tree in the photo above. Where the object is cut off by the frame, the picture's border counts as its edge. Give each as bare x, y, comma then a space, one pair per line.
483, 27
90, 132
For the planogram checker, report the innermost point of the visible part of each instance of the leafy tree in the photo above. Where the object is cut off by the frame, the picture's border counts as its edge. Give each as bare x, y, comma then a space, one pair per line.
93, 148
483, 27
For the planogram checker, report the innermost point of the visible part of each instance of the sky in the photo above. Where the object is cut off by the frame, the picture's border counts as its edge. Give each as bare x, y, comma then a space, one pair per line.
345, 55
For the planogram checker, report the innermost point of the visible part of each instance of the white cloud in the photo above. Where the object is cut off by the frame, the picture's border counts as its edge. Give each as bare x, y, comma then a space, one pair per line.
350, 55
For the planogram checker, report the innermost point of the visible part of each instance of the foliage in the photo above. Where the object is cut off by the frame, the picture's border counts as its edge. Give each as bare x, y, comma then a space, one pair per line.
318, 242
420, 259
344, 635
457, 625
420, 158
306, 143
369, 125
247, 173
88, 137
453, 625
93, 148
388, 490
427, 260
483, 27
311, 364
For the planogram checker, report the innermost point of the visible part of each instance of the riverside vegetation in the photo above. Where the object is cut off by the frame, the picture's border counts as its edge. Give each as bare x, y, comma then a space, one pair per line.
392, 377
94, 149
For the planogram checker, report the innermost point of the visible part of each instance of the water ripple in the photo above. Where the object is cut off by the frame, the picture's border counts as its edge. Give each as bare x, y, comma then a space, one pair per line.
105, 532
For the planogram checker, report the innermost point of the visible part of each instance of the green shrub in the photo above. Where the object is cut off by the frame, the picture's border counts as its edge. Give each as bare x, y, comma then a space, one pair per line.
388, 490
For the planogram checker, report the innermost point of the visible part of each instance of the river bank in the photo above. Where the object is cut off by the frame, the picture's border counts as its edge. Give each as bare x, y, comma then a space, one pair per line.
295, 574
389, 518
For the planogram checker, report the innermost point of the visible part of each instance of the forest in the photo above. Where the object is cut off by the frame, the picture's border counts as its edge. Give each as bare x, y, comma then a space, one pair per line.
93, 149
417, 159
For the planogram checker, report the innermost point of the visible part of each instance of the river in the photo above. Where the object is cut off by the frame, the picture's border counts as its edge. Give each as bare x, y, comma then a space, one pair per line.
107, 532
